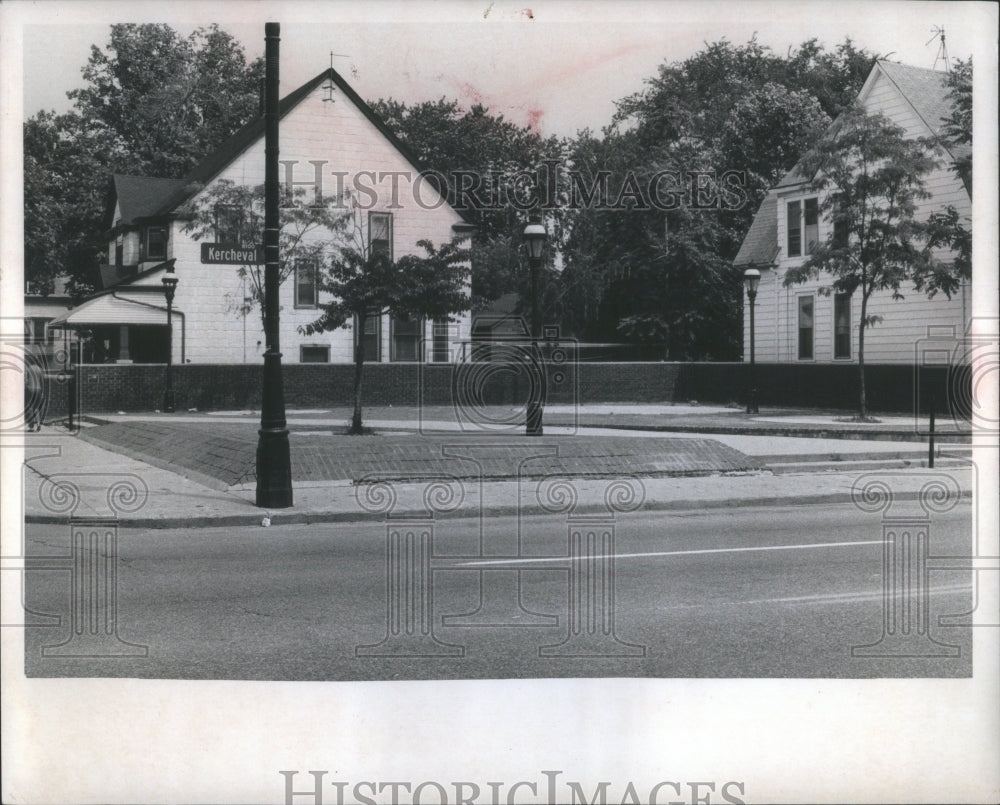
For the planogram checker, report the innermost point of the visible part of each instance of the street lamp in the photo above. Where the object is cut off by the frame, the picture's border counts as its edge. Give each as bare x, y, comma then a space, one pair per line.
274, 471
169, 288
534, 237
751, 279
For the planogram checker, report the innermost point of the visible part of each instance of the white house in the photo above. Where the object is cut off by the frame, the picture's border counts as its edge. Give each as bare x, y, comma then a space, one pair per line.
798, 323
328, 136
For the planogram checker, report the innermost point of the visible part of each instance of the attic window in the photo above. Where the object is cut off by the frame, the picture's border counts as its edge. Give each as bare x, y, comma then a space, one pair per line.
228, 225
794, 228
803, 215
380, 233
156, 242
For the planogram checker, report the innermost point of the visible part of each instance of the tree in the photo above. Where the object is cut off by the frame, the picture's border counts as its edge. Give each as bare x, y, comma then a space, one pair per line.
484, 151
728, 108
947, 228
309, 232
153, 105
871, 179
364, 284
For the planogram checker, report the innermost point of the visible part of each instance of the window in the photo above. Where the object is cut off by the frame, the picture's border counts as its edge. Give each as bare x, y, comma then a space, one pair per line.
119, 251
441, 353
372, 336
306, 284
380, 233
803, 215
156, 243
314, 353
842, 325
794, 228
811, 210
805, 328
406, 333
840, 236
228, 225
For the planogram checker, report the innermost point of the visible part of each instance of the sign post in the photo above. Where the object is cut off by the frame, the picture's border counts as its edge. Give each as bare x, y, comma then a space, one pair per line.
274, 474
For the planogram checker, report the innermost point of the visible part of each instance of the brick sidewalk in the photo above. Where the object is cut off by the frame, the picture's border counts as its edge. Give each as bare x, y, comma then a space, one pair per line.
223, 455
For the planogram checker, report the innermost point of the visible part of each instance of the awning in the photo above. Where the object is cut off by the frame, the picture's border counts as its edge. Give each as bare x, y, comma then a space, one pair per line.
112, 309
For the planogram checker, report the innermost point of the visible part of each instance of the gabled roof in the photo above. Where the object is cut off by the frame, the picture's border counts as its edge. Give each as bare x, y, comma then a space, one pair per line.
926, 91
215, 162
760, 246
140, 196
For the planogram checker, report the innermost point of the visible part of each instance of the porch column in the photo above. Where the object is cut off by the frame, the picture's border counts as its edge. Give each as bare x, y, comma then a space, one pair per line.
123, 355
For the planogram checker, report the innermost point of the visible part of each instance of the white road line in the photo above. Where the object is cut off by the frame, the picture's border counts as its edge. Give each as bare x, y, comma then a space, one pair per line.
549, 559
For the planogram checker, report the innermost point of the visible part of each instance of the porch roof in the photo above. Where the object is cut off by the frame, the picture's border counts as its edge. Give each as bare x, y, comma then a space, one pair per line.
114, 308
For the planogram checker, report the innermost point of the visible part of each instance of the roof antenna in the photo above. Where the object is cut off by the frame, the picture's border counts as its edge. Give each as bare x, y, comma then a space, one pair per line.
328, 86
942, 53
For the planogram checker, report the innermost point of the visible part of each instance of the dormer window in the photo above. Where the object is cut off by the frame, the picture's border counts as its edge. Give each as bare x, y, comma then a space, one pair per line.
155, 243
803, 226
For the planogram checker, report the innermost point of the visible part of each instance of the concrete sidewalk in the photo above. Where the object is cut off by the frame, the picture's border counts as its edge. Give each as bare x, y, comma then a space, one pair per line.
153, 497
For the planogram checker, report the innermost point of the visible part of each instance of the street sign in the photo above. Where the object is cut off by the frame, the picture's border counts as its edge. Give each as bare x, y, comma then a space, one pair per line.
232, 255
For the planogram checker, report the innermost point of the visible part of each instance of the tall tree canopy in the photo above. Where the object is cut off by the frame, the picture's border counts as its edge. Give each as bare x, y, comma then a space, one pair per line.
491, 153
154, 103
741, 111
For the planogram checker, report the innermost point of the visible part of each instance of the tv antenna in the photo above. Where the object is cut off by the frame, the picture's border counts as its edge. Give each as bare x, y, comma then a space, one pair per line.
328, 87
942, 52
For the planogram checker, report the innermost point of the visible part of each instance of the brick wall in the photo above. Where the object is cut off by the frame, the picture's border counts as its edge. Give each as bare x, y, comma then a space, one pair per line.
109, 388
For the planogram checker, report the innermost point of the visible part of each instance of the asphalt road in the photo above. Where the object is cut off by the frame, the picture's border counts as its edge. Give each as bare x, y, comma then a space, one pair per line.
776, 592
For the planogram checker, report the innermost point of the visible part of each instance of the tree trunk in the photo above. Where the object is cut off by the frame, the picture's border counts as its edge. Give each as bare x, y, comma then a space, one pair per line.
359, 365
862, 400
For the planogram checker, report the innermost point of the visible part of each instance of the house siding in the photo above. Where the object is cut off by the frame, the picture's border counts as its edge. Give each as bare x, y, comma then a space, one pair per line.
208, 296
905, 321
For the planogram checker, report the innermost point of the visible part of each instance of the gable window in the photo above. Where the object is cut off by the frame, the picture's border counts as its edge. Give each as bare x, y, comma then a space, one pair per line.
314, 353
380, 233
803, 226
805, 328
372, 336
306, 283
840, 235
794, 228
406, 333
155, 242
842, 325
811, 216
228, 225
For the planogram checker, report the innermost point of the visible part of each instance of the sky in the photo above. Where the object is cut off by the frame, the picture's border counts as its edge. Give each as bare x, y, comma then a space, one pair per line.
557, 66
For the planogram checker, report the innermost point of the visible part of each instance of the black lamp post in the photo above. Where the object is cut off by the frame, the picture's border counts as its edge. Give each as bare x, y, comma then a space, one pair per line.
169, 288
274, 472
534, 237
751, 279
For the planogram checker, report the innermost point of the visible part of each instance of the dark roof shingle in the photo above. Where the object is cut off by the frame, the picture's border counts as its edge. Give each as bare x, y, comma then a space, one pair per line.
760, 246
141, 196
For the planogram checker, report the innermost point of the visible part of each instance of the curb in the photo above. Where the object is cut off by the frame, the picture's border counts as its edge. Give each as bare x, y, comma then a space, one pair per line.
309, 518
792, 431
797, 432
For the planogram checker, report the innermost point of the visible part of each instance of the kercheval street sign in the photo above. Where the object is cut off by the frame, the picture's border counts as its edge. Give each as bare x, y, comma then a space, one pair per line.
232, 255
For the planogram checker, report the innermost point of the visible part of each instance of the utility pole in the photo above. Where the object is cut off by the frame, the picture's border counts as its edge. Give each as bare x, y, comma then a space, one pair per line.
274, 473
